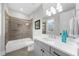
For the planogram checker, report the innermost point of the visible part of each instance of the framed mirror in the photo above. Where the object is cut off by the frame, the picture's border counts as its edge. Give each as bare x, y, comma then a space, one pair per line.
57, 23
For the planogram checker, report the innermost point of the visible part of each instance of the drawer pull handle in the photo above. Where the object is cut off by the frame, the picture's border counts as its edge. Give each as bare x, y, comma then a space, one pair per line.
42, 50
56, 53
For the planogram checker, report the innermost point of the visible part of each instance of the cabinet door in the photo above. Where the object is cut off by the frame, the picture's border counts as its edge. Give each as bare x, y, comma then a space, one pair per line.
57, 52
44, 46
37, 50
53, 52
45, 53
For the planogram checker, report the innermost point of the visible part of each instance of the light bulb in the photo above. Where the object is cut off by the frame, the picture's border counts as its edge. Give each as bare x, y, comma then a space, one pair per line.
53, 10
59, 7
60, 10
48, 13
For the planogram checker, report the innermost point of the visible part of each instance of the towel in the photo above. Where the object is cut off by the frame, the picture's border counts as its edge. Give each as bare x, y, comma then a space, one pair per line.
73, 26
71, 30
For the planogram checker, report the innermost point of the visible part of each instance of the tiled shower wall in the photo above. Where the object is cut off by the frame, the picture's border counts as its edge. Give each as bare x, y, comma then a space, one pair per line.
18, 28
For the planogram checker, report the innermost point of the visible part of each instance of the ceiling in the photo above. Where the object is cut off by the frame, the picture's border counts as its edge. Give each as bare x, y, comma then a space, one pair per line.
68, 6
28, 8
65, 6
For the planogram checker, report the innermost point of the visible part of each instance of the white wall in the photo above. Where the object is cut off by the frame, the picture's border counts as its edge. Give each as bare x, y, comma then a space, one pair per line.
2, 36
38, 14
65, 17
77, 16
77, 9
0, 19
0, 29
77, 6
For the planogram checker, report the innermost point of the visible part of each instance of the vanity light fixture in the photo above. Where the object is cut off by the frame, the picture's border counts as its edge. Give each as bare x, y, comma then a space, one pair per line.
53, 10
48, 13
60, 10
59, 7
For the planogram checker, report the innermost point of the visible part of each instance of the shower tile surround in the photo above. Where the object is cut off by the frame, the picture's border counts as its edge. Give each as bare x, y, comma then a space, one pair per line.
18, 28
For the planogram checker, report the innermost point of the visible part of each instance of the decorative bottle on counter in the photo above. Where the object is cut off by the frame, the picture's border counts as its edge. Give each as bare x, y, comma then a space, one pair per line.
64, 36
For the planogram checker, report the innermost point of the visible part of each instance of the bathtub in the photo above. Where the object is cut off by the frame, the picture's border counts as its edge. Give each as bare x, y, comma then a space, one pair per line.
18, 44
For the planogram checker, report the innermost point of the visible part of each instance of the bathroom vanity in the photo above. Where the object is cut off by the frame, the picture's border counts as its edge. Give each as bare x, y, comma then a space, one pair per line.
54, 47
54, 26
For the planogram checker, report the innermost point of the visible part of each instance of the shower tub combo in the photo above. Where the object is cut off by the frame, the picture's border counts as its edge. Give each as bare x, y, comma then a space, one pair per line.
20, 43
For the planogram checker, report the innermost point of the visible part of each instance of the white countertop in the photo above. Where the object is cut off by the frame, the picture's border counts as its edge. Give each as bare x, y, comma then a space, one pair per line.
70, 48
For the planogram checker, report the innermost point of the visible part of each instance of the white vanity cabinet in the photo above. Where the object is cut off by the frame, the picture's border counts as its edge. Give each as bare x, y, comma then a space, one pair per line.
58, 52
43, 49
37, 49
46, 53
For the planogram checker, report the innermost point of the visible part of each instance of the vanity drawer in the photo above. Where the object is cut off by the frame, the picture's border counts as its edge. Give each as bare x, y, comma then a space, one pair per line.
60, 53
44, 46
52, 52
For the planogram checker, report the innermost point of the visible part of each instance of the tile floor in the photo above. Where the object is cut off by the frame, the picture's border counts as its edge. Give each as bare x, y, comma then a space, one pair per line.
20, 52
